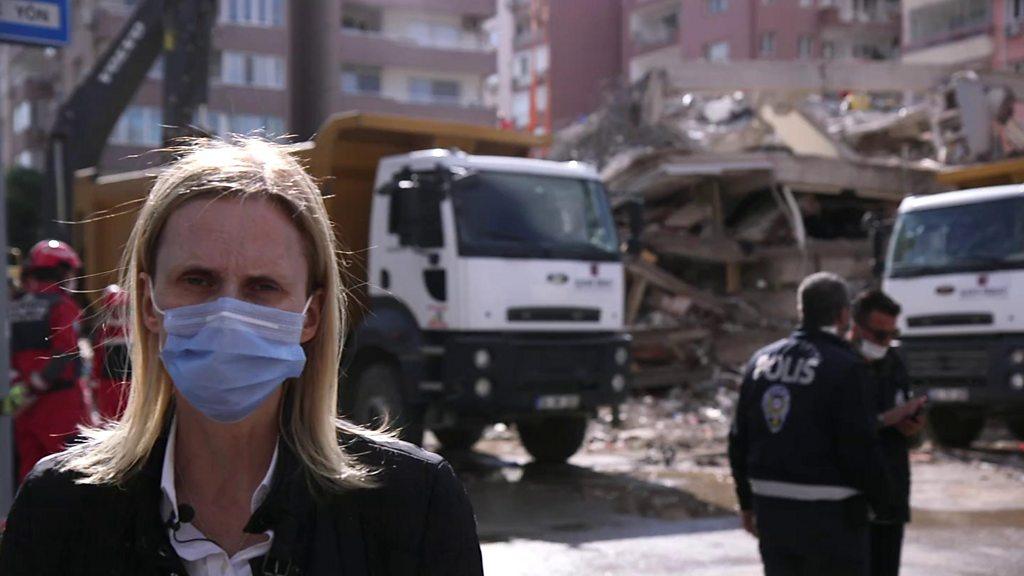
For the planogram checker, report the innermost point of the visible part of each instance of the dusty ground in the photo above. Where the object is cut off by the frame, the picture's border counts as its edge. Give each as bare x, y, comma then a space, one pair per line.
656, 498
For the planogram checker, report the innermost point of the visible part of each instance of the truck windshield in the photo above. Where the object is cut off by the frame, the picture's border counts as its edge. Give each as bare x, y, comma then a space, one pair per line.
969, 238
533, 216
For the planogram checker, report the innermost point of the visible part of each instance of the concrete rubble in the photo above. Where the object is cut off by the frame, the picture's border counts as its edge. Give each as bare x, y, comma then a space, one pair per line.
748, 187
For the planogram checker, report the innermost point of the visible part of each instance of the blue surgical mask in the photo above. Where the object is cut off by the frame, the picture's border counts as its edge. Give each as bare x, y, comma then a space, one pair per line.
228, 356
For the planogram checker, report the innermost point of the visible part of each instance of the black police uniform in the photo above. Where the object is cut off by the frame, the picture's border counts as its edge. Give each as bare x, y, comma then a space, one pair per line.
804, 455
889, 386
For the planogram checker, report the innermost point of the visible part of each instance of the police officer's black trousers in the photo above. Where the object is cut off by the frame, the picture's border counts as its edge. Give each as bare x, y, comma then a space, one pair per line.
886, 548
812, 538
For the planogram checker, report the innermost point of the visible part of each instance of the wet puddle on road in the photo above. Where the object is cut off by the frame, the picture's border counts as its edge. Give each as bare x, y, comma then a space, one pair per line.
514, 499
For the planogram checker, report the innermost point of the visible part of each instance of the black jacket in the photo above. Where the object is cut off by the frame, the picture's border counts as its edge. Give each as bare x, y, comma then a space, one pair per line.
889, 386
802, 420
418, 521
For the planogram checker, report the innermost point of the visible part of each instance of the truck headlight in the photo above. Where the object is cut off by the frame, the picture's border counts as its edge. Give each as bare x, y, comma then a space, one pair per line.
1017, 356
1017, 381
621, 356
483, 387
482, 359
618, 383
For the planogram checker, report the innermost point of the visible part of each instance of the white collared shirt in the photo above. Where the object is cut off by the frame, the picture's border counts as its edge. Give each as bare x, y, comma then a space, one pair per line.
201, 556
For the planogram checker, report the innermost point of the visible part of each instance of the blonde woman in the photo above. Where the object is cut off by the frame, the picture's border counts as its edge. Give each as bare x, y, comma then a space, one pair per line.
229, 459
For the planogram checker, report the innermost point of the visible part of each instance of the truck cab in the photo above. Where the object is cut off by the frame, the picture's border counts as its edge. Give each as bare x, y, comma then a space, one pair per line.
956, 264
507, 275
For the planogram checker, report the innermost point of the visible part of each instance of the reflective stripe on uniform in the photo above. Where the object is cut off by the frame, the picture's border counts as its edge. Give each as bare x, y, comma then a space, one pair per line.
794, 491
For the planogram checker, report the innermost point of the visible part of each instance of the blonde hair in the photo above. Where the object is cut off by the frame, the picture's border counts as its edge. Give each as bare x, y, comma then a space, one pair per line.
243, 167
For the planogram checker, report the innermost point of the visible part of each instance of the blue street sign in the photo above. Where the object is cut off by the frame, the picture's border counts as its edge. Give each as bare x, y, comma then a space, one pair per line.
44, 22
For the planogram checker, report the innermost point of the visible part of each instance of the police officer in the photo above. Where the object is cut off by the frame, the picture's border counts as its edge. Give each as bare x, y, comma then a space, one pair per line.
44, 354
802, 446
889, 397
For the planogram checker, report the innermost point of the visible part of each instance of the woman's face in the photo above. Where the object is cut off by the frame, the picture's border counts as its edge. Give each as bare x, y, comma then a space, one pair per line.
228, 247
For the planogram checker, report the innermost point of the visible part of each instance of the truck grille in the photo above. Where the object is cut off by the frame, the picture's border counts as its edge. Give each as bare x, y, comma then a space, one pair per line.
954, 366
566, 365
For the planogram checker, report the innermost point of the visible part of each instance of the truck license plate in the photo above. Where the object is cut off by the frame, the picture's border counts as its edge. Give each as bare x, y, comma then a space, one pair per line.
948, 394
558, 402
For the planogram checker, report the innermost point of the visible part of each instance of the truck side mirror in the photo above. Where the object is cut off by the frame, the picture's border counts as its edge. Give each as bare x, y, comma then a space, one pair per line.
879, 230
635, 215
416, 211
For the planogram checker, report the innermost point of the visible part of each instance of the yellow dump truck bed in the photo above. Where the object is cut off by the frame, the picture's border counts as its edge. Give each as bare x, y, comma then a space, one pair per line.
1009, 171
343, 157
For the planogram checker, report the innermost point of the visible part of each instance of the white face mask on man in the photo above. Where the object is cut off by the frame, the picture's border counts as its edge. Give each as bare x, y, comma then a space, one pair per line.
873, 351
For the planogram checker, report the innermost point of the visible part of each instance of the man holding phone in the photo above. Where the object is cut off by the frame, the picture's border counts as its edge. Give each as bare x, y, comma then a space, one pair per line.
900, 417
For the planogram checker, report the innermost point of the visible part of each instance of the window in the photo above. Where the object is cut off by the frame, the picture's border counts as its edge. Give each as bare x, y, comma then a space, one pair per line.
252, 12
361, 18
521, 66
267, 71
658, 27
523, 28
1015, 10
542, 98
969, 238
246, 123
138, 126
427, 90
360, 80
717, 51
233, 68
22, 117
767, 44
441, 34
221, 123
247, 69
521, 109
828, 50
717, 6
804, 46
542, 55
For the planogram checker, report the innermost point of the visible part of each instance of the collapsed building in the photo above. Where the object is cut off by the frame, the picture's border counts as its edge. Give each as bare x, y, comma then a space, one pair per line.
754, 174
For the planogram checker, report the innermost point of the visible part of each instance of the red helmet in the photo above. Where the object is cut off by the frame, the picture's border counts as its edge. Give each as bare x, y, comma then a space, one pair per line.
51, 254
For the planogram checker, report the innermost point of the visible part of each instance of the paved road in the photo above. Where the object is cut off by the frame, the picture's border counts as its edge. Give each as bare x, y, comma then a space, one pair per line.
605, 514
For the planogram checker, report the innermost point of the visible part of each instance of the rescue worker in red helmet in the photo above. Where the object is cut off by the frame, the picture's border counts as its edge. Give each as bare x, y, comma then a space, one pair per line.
44, 354
111, 371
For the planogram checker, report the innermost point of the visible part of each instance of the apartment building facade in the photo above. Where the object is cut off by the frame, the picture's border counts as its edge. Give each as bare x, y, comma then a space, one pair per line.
393, 56
723, 30
557, 59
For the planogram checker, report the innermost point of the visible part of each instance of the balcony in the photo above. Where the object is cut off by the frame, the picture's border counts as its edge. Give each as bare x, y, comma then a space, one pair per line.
949, 21
484, 8
833, 17
645, 40
386, 104
375, 49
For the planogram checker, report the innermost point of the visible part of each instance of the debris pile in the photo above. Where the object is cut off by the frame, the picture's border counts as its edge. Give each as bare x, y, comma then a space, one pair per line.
748, 187
685, 427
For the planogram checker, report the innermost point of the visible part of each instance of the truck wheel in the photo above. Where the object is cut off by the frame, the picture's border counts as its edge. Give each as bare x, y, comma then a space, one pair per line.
954, 427
554, 439
1015, 423
459, 438
378, 402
